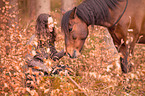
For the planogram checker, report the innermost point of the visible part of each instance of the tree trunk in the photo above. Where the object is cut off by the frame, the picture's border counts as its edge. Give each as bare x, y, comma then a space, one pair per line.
14, 13
67, 5
42, 6
32, 9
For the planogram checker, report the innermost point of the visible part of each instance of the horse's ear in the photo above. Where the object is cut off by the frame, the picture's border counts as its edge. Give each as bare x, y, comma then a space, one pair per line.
73, 13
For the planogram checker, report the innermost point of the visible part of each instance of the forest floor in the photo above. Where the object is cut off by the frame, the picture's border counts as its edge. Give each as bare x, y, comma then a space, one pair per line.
97, 71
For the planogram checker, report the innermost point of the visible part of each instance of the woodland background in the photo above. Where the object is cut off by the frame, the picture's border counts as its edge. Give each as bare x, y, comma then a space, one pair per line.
96, 72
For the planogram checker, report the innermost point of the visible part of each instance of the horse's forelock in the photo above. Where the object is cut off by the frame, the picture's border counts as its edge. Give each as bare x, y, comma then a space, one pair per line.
65, 21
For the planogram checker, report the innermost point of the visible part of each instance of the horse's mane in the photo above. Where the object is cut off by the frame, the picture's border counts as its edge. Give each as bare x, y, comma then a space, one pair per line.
91, 12
44, 36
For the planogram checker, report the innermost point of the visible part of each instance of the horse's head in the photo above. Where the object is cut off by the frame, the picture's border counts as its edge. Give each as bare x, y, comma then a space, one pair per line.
76, 31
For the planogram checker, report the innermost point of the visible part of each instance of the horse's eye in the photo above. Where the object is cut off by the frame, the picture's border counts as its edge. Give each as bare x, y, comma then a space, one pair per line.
70, 29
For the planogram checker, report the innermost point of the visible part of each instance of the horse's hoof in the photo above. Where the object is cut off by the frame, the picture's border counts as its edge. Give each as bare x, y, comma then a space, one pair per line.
126, 68
123, 68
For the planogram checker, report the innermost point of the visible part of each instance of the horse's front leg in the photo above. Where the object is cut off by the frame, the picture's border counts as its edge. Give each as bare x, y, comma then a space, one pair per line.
124, 46
127, 52
121, 46
124, 58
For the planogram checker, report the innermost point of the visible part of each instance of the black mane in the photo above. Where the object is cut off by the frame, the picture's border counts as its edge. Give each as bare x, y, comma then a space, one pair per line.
92, 12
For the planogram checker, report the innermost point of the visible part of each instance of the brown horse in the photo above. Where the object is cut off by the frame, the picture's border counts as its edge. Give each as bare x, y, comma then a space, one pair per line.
125, 20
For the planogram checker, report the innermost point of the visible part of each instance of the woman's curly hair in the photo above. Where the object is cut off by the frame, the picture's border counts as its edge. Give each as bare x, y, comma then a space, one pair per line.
44, 36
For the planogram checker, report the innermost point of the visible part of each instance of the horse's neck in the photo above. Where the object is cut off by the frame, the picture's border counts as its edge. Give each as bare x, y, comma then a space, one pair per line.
115, 15
100, 17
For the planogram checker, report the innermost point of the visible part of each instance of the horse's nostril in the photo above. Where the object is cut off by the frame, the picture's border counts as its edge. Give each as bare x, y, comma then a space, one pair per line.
70, 55
74, 55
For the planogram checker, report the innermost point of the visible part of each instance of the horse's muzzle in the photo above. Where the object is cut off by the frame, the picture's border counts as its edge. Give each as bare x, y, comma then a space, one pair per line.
74, 55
